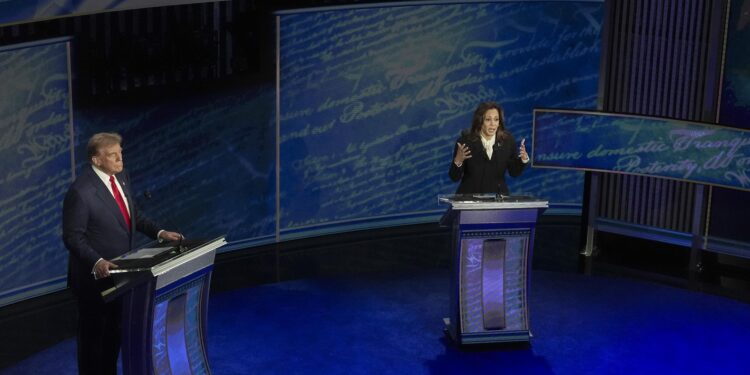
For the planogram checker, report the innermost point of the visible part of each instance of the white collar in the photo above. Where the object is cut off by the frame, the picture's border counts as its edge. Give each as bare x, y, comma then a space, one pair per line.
105, 179
102, 175
487, 142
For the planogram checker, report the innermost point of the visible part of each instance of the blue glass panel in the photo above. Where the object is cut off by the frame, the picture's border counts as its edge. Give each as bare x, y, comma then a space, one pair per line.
36, 168
660, 147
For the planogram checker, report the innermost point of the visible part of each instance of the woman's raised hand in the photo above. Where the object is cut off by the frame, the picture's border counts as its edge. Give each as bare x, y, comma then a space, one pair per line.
462, 153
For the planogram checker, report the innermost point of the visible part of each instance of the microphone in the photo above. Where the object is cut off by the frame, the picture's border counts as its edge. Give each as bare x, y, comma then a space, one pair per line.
180, 248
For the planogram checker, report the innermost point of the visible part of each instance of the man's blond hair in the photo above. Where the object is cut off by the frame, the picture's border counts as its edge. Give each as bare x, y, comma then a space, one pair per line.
101, 140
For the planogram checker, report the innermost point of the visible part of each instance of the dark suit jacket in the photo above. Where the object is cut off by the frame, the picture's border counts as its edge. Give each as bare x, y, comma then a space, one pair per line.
93, 228
480, 175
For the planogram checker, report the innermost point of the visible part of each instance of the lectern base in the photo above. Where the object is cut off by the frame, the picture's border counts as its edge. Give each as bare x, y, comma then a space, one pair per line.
495, 337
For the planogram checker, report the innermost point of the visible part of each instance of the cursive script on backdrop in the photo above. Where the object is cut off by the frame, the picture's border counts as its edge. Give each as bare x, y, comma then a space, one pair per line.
372, 100
692, 151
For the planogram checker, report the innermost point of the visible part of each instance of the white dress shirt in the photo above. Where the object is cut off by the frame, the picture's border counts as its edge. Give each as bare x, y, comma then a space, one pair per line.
105, 179
488, 144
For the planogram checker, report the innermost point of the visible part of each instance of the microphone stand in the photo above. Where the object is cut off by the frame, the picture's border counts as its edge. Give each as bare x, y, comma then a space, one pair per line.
180, 247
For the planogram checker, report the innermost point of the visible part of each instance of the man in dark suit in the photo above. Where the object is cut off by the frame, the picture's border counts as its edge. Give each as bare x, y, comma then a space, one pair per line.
99, 223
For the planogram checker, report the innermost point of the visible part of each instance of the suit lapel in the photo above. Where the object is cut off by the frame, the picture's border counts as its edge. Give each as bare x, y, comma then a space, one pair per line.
479, 146
108, 201
497, 149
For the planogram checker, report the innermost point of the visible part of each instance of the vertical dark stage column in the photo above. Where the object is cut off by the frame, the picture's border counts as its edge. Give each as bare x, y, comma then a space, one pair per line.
137, 313
493, 295
177, 347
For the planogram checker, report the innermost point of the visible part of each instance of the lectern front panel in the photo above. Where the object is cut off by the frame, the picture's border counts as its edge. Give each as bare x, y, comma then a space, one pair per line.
165, 307
177, 329
492, 240
492, 293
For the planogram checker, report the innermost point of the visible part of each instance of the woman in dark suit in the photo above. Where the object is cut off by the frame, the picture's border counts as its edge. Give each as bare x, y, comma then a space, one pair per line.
485, 152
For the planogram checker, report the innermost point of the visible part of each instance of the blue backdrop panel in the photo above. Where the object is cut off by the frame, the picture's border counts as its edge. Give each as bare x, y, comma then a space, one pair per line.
15, 11
372, 100
735, 96
734, 111
36, 168
201, 163
651, 146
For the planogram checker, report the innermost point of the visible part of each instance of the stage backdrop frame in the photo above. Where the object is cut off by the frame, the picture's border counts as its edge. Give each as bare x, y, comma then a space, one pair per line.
38, 166
296, 153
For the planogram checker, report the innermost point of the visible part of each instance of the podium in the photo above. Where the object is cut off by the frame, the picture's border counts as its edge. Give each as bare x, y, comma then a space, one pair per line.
492, 243
164, 290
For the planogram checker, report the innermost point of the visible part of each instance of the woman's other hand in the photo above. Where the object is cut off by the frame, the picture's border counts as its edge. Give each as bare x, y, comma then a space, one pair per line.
462, 153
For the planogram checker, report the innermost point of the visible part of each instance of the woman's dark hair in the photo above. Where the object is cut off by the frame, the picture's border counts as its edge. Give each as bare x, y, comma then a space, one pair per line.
478, 119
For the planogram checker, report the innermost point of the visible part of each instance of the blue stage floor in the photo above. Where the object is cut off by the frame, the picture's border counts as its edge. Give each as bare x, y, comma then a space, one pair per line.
393, 325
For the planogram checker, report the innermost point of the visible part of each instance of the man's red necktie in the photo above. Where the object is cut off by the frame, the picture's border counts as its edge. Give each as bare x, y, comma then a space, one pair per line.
120, 201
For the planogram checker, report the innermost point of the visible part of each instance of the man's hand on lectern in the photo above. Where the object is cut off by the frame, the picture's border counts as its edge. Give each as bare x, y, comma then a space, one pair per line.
170, 236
